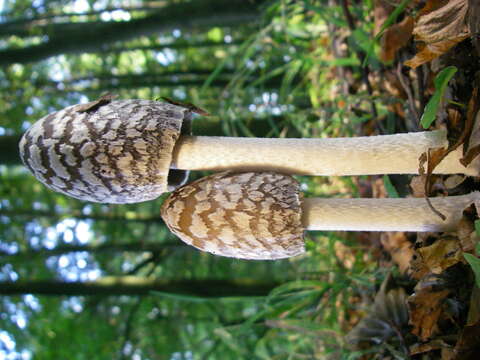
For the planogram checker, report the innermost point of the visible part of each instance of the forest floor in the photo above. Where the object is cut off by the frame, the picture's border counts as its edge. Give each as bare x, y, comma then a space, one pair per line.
432, 310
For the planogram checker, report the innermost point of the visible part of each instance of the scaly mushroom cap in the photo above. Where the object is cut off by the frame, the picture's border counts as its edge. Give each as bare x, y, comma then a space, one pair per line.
112, 152
252, 215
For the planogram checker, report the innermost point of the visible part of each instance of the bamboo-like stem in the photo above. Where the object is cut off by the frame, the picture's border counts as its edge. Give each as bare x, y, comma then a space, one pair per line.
408, 214
385, 154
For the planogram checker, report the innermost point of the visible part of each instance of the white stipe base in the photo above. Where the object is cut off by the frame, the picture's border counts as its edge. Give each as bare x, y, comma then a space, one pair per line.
407, 214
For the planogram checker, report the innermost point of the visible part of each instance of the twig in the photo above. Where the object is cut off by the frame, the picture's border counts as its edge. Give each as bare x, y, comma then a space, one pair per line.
408, 91
142, 264
421, 86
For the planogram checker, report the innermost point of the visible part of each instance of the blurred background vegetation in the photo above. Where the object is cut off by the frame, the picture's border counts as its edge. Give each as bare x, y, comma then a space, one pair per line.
89, 281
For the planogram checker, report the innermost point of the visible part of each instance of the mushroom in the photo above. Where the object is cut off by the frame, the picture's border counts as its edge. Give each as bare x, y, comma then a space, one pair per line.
134, 150
262, 215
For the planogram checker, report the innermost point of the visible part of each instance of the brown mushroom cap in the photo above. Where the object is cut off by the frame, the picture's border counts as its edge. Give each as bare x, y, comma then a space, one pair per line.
251, 215
117, 152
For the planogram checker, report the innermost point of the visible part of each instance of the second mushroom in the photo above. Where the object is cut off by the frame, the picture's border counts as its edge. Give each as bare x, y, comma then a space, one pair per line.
263, 215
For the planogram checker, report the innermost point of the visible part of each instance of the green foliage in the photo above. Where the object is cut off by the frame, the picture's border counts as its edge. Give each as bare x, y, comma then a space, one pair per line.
273, 78
441, 82
391, 191
475, 264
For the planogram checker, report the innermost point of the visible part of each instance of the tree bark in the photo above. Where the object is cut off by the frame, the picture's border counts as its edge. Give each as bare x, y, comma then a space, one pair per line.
75, 38
132, 285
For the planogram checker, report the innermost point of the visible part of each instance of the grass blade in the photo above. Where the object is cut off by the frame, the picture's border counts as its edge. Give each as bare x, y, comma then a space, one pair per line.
441, 82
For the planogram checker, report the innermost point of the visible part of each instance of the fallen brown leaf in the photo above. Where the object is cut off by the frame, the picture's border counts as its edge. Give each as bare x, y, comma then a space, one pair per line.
399, 248
396, 37
470, 155
386, 320
468, 346
442, 254
417, 185
466, 235
381, 11
474, 22
426, 307
439, 26
429, 346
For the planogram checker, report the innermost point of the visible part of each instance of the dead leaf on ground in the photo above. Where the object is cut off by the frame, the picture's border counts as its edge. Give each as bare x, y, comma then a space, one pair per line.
442, 254
381, 11
439, 26
473, 126
474, 22
466, 234
418, 269
436, 344
388, 317
417, 185
399, 248
468, 345
426, 306
395, 37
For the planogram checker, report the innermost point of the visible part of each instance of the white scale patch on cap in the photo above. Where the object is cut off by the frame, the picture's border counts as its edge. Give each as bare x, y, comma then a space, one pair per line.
67, 151
56, 165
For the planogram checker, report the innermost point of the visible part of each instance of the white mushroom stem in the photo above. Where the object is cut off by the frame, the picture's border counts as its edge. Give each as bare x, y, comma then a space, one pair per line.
385, 154
409, 214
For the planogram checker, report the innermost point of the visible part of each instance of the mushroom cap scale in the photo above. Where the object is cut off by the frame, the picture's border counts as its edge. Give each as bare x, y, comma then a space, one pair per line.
241, 215
118, 152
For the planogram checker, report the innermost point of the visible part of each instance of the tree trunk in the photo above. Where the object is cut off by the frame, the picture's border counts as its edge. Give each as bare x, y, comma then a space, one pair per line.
55, 216
9, 153
76, 38
28, 26
109, 247
132, 285
177, 45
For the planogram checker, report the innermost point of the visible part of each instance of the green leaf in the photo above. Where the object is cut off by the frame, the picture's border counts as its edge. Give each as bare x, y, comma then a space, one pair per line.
441, 82
346, 61
391, 191
475, 264
216, 34
477, 227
